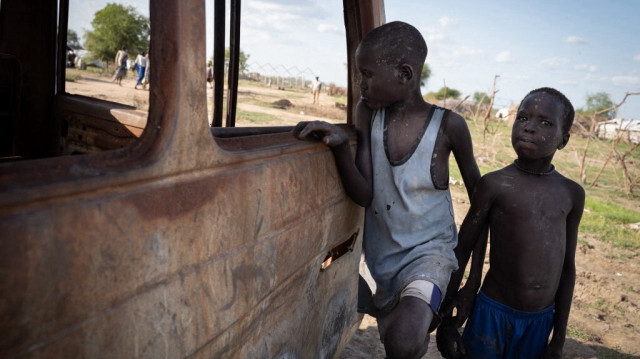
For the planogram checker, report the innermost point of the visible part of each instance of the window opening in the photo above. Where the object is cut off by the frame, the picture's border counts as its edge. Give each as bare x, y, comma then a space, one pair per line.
272, 52
107, 51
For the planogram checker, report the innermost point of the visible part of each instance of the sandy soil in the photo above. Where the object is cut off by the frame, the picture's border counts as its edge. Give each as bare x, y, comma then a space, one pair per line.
604, 321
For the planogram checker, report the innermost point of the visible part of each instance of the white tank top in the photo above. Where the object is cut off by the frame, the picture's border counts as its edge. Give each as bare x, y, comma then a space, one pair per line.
410, 232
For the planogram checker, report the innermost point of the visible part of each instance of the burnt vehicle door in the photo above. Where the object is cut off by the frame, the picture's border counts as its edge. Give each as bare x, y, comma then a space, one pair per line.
126, 233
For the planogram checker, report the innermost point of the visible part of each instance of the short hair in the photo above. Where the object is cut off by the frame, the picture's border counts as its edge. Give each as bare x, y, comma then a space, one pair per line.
567, 115
397, 42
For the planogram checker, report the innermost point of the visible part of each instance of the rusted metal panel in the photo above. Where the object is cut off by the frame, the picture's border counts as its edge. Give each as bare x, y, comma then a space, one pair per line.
209, 259
177, 245
93, 125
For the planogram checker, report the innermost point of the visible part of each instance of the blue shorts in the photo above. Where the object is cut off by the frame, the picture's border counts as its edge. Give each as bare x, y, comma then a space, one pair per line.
495, 330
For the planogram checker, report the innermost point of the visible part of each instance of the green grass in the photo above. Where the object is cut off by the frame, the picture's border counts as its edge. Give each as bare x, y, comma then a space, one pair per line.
619, 309
575, 333
606, 221
72, 75
599, 304
97, 70
629, 289
255, 117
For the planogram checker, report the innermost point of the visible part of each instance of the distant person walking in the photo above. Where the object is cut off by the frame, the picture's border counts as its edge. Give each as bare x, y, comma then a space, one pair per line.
145, 81
210, 73
121, 62
141, 65
316, 87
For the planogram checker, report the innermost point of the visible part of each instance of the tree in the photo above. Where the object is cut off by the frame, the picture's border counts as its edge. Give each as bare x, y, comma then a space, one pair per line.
481, 98
72, 40
243, 60
449, 92
116, 26
598, 102
424, 75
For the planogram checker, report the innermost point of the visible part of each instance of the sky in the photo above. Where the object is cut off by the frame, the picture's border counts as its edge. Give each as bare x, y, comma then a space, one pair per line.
578, 47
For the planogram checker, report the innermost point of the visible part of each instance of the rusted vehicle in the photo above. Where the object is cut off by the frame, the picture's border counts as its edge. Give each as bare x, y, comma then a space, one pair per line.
132, 234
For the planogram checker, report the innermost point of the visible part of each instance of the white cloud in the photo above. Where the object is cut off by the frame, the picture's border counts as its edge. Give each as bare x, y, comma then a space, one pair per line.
434, 36
431, 34
256, 36
266, 19
585, 67
442, 61
264, 5
445, 21
554, 63
572, 39
328, 28
637, 57
596, 78
300, 9
568, 82
281, 15
504, 56
465, 51
628, 80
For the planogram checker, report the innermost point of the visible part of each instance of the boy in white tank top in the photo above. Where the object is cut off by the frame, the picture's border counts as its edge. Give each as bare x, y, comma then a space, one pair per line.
401, 175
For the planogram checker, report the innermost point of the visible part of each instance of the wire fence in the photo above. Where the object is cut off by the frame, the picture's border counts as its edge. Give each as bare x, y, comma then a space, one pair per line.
279, 75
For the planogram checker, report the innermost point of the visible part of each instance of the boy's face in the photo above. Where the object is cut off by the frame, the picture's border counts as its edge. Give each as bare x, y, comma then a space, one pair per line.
537, 132
380, 85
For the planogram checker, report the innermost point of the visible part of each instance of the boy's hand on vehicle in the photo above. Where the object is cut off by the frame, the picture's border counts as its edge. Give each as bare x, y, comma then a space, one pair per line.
449, 340
465, 299
330, 134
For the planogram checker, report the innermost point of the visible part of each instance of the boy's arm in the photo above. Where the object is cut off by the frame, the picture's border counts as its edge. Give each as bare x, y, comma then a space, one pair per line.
447, 337
470, 232
460, 143
466, 296
363, 159
356, 175
564, 294
462, 148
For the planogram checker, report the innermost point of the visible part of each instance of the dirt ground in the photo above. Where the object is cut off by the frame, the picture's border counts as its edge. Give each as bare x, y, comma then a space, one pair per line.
250, 99
604, 320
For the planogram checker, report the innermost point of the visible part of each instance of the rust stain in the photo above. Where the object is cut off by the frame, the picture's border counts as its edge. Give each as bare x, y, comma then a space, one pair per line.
181, 199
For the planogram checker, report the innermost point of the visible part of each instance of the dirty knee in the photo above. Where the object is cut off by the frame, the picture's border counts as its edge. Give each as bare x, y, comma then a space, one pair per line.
401, 345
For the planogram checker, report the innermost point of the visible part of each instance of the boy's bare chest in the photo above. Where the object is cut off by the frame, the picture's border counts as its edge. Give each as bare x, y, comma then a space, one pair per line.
402, 138
529, 228
531, 205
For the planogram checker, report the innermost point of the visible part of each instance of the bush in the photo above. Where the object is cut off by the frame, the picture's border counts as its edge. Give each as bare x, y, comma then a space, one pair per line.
334, 90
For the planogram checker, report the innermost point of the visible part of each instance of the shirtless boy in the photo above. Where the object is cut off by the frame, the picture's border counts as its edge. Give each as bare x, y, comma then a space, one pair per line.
533, 213
401, 176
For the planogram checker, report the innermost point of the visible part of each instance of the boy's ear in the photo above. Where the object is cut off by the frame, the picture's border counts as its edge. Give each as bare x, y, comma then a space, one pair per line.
565, 140
405, 72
